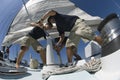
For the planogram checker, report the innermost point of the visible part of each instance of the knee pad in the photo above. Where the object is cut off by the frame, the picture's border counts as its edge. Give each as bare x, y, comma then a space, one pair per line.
24, 48
42, 49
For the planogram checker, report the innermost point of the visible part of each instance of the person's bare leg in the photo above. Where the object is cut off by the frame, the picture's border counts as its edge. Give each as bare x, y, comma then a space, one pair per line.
20, 56
98, 39
74, 51
69, 54
43, 56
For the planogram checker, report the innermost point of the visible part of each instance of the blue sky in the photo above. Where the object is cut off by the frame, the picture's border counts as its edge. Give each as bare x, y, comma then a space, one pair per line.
8, 10
93, 7
99, 7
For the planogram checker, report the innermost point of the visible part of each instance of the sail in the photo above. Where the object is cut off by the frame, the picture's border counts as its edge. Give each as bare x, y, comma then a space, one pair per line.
33, 11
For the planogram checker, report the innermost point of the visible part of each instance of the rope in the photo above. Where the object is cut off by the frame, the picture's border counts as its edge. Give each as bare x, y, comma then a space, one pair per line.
91, 66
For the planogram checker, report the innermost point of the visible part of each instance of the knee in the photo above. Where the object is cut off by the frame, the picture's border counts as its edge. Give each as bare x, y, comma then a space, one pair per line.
41, 50
69, 48
74, 49
24, 48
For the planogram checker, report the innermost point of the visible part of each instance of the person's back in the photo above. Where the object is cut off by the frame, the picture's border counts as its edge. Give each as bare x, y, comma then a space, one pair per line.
37, 33
64, 22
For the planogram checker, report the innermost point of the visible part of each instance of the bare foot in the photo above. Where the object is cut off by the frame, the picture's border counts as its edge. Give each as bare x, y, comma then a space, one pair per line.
17, 65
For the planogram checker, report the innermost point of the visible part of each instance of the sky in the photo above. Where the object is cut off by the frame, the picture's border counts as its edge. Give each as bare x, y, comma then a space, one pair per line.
100, 8
7, 15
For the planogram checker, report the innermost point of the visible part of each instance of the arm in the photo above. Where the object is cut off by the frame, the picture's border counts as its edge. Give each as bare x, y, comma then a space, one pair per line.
47, 14
34, 24
62, 36
59, 43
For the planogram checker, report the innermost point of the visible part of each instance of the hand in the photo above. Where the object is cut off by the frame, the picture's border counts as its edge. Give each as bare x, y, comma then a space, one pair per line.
40, 23
37, 24
58, 50
58, 47
33, 24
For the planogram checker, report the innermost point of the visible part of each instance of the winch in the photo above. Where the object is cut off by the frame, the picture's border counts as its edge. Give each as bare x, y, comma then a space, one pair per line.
110, 33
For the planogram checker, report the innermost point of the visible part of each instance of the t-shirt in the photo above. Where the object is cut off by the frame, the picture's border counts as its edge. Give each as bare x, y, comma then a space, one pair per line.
64, 22
37, 33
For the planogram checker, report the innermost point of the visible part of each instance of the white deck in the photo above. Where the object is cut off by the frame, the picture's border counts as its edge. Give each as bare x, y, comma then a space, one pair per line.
84, 75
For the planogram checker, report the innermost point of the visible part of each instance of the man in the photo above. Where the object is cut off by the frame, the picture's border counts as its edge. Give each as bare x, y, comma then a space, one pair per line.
31, 40
73, 24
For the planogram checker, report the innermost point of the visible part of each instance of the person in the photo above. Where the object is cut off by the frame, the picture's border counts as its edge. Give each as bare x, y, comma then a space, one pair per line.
31, 40
76, 26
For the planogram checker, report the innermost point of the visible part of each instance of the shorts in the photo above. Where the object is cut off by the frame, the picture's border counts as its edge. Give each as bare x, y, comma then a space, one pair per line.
29, 41
80, 31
